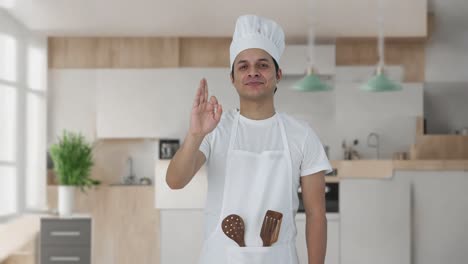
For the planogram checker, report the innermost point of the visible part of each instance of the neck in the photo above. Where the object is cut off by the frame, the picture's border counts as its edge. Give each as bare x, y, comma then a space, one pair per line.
257, 110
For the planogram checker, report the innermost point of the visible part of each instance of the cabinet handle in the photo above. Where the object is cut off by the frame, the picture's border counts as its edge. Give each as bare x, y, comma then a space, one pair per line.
64, 258
65, 233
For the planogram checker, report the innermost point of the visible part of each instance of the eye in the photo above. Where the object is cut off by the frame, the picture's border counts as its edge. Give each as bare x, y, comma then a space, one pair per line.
264, 65
243, 67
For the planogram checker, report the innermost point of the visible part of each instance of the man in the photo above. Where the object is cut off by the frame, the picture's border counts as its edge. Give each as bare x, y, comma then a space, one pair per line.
256, 157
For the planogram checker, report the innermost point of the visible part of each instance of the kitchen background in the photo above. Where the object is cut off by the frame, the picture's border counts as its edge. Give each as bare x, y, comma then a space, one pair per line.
126, 92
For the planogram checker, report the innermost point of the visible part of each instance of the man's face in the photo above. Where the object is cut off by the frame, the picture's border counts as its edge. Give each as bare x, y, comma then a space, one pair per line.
255, 76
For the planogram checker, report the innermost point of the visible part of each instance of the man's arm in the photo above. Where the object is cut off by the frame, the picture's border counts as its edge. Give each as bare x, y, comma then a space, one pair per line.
313, 195
185, 163
205, 116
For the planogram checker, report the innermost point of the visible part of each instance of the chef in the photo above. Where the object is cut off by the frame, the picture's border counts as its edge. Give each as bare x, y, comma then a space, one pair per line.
256, 157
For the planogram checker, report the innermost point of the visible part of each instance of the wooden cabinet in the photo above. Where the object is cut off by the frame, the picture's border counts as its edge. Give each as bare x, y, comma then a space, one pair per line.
125, 226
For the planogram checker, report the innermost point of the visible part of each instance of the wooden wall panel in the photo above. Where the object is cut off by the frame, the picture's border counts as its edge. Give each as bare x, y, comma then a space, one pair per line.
115, 52
433, 146
160, 52
204, 52
72, 52
410, 53
446, 147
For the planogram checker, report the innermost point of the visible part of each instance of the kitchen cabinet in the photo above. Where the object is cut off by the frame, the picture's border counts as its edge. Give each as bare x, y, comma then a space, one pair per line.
192, 196
182, 236
65, 240
72, 104
154, 103
375, 221
125, 225
333, 239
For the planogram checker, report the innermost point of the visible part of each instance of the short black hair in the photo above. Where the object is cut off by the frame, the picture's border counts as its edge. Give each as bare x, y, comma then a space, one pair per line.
276, 70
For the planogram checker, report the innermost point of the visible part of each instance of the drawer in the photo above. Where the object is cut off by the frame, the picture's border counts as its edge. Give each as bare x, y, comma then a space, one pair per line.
65, 255
60, 232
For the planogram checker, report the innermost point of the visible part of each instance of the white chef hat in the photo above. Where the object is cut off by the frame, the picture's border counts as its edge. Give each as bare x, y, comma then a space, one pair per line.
257, 32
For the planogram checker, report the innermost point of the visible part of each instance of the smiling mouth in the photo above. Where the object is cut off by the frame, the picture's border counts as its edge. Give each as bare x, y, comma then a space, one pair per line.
254, 83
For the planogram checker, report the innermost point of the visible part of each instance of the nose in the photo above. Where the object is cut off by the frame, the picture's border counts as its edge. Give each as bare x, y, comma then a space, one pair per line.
253, 72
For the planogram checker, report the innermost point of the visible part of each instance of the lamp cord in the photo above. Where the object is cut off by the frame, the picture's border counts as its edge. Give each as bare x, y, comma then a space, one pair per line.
381, 38
311, 35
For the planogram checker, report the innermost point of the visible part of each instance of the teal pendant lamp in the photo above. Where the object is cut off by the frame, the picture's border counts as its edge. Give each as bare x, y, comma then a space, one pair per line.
380, 82
311, 82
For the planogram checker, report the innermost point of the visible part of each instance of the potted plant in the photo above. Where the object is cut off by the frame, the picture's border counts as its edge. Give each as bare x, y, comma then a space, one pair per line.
73, 160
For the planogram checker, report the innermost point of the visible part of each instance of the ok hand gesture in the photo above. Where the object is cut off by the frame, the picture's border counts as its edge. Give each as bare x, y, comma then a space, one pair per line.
205, 114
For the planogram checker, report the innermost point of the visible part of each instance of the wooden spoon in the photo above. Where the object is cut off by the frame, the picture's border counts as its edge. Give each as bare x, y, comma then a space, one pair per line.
271, 227
233, 227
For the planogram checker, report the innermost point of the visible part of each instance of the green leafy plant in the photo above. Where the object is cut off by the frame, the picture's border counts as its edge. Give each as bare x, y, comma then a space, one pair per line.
73, 160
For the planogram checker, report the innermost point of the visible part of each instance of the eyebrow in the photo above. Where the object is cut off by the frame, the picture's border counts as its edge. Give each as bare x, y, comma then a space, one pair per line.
245, 61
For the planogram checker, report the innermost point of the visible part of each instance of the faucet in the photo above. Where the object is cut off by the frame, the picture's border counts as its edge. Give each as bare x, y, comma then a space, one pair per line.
375, 145
130, 179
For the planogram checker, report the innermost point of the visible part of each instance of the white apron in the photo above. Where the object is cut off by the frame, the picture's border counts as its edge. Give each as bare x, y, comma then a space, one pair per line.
255, 183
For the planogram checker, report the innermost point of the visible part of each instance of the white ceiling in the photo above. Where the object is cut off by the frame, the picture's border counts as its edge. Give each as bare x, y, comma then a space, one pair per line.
215, 17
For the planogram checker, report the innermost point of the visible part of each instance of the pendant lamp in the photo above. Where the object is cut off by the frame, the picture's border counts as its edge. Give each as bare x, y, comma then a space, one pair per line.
311, 82
380, 82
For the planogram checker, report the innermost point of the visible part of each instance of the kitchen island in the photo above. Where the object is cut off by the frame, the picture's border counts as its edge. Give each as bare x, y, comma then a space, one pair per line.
411, 211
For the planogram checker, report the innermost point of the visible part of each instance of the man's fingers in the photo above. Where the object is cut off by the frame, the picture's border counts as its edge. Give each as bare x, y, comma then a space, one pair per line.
198, 96
206, 91
219, 112
202, 87
213, 100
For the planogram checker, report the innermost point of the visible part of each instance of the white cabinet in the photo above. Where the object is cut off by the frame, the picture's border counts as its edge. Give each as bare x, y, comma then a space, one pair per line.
181, 234
333, 239
192, 196
71, 102
153, 102
375, 221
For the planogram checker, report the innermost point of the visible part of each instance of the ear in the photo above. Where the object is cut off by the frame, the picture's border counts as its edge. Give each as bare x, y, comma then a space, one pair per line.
232, 77
279, 75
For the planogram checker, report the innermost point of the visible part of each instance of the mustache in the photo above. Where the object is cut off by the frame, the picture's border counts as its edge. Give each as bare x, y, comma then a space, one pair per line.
254, 80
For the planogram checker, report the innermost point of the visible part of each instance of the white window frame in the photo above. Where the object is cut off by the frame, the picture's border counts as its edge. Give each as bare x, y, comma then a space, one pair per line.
25, 41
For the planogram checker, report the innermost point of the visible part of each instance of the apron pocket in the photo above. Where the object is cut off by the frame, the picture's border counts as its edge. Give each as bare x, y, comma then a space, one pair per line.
278, 254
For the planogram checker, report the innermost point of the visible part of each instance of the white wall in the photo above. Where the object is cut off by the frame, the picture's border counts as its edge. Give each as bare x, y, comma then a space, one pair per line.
446, 51
445, 107
446, 68
344, 113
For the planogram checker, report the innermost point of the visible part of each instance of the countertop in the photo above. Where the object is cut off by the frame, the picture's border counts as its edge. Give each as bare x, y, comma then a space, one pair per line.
386, 168
330, 216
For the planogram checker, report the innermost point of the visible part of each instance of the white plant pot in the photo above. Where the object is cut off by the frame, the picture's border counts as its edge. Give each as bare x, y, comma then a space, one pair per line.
66, 200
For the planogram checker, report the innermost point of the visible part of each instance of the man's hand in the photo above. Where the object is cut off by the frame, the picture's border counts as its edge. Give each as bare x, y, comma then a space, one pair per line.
205, 114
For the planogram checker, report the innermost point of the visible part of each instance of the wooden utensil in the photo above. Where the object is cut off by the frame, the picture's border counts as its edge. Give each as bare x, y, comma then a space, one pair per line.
271, 227
233, 227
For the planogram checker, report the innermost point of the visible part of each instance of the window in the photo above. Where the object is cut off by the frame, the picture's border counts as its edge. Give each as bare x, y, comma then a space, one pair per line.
23, 71
8, 126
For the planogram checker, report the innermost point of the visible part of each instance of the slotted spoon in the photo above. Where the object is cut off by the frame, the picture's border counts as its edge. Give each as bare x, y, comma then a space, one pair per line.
233, 227
271, 227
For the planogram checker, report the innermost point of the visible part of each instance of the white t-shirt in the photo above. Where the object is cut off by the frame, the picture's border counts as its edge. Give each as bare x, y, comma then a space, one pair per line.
307, 153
